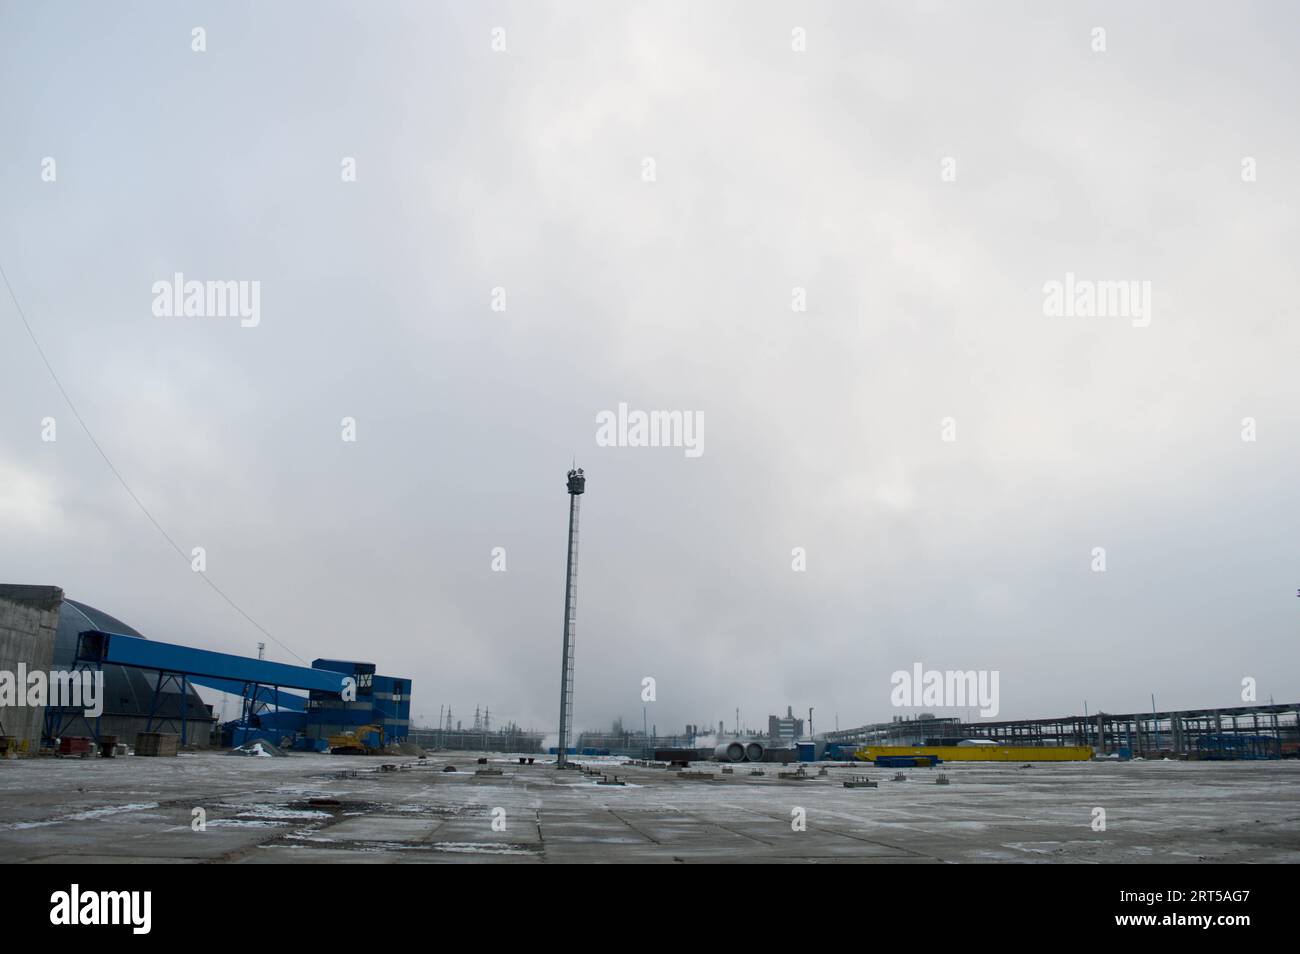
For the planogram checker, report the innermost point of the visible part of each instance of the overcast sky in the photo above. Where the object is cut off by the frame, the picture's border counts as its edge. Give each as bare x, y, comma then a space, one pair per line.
774, 168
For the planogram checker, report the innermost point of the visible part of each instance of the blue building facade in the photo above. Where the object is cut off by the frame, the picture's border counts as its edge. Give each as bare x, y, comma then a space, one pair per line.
381, 700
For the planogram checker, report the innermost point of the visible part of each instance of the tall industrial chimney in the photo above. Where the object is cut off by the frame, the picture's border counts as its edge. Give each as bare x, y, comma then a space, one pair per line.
577, 484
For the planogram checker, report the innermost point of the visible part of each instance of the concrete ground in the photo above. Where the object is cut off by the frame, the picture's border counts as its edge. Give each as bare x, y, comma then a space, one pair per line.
319, 808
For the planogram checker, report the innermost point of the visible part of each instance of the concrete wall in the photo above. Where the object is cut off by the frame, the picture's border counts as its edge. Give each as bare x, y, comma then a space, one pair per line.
28, 618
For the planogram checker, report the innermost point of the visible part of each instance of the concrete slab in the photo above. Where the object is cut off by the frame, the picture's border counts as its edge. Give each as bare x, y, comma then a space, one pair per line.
382, 828
259, 812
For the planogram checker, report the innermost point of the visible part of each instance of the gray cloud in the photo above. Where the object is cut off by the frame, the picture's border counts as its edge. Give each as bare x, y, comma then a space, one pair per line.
774, 169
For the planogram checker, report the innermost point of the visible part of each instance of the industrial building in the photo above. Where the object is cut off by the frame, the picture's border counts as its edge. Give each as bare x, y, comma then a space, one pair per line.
39, 628
630, 744
784, 732
1236, 732
379, 715
507, 738
149, 686
383, 701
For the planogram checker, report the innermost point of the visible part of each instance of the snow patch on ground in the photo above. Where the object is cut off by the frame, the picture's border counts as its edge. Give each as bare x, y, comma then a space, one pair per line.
88, 815
288, 814
244, 823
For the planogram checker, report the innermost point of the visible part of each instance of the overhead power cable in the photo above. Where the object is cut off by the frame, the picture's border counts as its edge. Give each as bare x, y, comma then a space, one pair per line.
122, 480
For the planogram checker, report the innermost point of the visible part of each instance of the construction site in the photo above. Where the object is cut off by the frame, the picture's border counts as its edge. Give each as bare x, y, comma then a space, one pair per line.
332, 769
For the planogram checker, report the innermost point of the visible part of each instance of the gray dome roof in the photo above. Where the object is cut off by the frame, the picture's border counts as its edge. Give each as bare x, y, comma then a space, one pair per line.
127, 690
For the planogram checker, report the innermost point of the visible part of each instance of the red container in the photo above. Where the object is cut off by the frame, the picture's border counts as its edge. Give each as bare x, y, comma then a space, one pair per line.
74, 745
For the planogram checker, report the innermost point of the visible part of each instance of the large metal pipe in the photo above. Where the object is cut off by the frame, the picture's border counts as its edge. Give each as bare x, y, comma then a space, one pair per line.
753, 751
729, 752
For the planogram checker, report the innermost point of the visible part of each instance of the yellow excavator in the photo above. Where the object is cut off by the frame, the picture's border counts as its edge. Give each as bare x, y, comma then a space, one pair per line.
354, 742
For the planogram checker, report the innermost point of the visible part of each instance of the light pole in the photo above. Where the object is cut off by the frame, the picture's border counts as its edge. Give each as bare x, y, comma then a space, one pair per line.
577, 486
